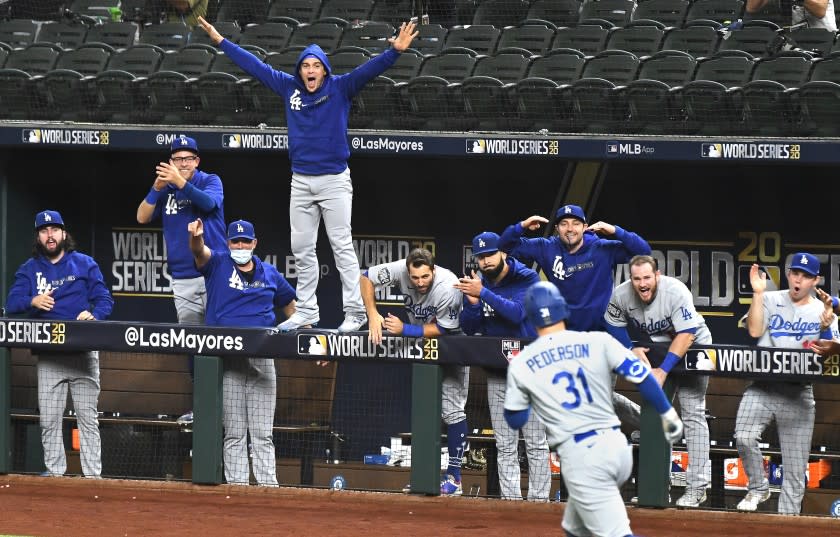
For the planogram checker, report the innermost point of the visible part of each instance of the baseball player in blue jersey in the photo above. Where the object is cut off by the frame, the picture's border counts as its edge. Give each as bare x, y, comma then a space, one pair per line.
565, 376
62, 284
662, 309
493, 306
180, 194
317, 108
581, 265
433, 307
242, 290
791, 319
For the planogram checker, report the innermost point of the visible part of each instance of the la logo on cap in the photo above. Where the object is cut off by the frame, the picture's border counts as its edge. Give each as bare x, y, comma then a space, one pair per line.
47, 217
239, 228
804, 260
481, 243
568, 209
184, 141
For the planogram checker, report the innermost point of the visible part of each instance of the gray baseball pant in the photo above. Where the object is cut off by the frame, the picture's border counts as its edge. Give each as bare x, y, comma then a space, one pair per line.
190, 299
691, 393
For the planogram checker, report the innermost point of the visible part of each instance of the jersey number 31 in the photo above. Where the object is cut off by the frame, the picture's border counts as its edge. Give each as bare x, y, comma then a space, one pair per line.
572, 387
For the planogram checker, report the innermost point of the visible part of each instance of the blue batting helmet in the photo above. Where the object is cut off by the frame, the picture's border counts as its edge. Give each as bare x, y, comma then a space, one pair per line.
544, 305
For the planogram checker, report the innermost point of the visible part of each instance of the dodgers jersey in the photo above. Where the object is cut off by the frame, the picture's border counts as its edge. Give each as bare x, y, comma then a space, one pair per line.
585, 278
500, 310
176, 210
790, 326
232, 300
566, 377
441, 305
671, 311
76, 284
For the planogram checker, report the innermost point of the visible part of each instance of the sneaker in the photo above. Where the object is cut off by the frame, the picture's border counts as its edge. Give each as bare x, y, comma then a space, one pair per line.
692, 498
753, 499
450, 487
186, 419
297, 321
353, 322
407, 488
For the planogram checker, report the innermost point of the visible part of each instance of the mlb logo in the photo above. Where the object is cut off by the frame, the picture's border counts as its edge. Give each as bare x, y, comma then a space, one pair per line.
312, 345
701, 360
31, 136
510, 348
476, 146
612, 148
232, 141
711, 150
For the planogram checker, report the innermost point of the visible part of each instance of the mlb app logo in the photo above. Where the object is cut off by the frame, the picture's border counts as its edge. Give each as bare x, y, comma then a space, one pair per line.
612, 148
32, 136
711, 150
232, 141
476, 146
312, 345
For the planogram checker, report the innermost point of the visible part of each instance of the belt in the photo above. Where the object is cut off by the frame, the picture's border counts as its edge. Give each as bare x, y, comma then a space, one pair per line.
580, 437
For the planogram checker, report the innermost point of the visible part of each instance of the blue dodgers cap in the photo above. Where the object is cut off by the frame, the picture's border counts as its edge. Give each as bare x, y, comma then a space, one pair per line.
48, 218
805, 262
570, 211
241, 229
184, 143
486, 242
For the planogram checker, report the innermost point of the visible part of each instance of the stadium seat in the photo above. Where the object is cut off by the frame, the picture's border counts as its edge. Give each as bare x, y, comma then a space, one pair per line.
349, 10
597, 96
294, 11
558, 12
642, 39
406, 67
88, 60
587, 38
113, 97
772, 12
99, 9
168, 35
4, 53
427, 100
698, 40
536, 38
500, 13
393, 12
376, 106
120, 35
430, 39
66, 36
618, 12
230, 30
223, 63
560, 65
36, 59
372, 37
819, 99
722, 11
346, 59
769, 108
218, 99
671, 13
482, 39
19, 33
756, 38
14, 94
40, 10
817, 41
140, 60
654, 99
269, 36
285, 60
60, 95
325, 34
243, 12
263, 105
165, 99
481, 103
713, 100
506, 66
192, 60
453, 65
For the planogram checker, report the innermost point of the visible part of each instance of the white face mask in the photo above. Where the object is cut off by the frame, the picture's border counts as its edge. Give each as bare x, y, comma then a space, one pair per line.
241, 257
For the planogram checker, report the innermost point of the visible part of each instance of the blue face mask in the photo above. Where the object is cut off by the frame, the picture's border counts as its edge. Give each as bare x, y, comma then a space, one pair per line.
241, 257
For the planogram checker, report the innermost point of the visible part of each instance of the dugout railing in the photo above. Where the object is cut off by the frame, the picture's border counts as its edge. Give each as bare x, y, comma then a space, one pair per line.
425, 355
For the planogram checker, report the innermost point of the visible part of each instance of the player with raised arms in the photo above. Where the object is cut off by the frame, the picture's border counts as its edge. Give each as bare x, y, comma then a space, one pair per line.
566, 378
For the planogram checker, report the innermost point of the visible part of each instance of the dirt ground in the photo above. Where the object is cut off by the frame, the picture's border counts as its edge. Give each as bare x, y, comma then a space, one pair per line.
47, 507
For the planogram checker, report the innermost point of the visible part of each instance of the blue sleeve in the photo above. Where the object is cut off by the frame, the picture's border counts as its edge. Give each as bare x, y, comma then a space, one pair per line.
200, 198
255, 67
356, 79
827, 334
654, 395
511, 241
619, 333
510, 310
470, 319
517, 418
98, 295
20, 294
631, 243
210, 266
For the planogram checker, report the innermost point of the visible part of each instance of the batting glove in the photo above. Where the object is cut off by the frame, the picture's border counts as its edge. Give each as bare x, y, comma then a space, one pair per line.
672, 425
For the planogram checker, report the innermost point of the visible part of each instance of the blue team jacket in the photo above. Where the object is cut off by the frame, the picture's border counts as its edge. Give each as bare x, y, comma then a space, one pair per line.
176, 209
317, 121
501, 312
77, 282
585, 278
